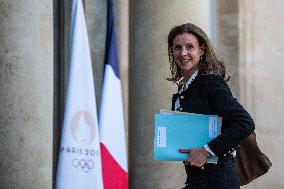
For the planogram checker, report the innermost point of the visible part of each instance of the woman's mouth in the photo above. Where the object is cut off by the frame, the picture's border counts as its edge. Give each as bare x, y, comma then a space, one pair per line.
183, 61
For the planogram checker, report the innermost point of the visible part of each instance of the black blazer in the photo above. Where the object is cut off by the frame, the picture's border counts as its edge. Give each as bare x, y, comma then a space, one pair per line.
210, 94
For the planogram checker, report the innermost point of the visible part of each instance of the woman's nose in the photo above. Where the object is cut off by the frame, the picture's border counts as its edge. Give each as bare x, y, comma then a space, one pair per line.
183, 52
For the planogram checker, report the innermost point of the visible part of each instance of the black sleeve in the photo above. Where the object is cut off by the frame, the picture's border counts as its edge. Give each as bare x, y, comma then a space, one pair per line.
236, 121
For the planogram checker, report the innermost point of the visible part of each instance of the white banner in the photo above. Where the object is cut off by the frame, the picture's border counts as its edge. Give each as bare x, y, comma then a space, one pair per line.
79, 165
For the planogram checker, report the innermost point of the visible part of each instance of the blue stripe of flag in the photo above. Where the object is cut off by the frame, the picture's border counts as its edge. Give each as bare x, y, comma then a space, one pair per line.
111, 49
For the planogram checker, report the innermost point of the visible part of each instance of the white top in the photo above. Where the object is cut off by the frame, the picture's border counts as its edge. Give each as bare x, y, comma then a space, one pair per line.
193, 76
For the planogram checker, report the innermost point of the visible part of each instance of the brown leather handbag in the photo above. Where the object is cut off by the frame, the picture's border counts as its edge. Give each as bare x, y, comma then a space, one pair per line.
250, 161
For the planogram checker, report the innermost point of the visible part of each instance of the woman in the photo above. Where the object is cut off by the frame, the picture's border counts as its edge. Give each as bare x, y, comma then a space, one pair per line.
200, 76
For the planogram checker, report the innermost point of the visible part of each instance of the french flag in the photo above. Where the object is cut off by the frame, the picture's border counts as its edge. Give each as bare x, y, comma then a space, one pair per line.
111, 122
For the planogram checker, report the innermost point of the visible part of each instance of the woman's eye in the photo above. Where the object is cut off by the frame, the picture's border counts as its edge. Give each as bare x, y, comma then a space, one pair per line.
177, 47
189, 47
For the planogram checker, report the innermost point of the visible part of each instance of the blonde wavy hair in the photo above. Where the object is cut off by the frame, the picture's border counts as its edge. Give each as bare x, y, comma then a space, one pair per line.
210, 62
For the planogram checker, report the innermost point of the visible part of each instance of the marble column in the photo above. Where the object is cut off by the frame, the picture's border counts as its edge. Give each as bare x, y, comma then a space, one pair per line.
149, 91
26, 94
261, 80
227, 16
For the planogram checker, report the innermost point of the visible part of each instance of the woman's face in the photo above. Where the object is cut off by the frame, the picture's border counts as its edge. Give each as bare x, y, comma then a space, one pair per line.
187, 52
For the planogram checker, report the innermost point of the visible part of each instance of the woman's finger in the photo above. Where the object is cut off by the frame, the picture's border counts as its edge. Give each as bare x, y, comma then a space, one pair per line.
189, 150
184, 150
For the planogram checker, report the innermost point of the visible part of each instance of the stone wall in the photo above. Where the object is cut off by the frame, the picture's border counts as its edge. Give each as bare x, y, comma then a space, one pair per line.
261, 80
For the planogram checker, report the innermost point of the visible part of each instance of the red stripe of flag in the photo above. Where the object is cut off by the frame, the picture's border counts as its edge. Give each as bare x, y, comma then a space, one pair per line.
113, 174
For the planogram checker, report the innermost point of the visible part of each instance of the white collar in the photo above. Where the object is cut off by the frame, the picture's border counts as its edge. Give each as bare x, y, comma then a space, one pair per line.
189, 81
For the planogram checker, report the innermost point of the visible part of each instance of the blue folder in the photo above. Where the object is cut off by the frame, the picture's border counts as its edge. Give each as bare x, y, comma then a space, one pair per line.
183, 131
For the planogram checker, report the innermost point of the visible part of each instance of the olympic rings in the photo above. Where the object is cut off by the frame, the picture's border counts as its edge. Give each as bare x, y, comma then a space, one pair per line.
82, 164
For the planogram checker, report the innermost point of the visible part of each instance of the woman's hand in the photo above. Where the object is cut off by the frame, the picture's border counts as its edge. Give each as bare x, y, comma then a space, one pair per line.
197, 157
